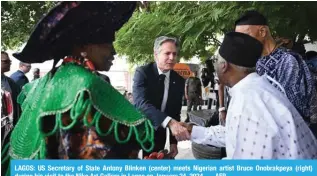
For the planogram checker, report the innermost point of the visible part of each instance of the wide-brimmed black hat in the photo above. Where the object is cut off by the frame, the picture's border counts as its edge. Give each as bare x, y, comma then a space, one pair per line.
74, 23
240, 49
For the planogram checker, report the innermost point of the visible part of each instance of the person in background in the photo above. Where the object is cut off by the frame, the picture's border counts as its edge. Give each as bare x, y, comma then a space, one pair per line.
130, 97
216, 89
19, 76
8, 85
311, 60
285, 66
125, 93
224, 100
311, 55
207, 77
261, 122
299, 48
36, 73
193, 92
312, 64
10, 109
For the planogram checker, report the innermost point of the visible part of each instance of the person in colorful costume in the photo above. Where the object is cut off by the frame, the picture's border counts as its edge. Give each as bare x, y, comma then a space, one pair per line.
71, 113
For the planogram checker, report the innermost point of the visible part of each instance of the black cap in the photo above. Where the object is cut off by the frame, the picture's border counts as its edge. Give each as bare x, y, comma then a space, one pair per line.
240, 49
251, 17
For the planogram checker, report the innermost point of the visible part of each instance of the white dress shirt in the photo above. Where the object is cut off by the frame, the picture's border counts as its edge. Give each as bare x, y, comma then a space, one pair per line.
165, 97
261, 124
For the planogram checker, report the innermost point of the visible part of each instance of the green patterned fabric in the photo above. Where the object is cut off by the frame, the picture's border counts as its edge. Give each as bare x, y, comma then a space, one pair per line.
65, 92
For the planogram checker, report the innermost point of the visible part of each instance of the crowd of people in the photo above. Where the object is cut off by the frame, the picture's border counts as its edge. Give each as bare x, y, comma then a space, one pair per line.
10, 89
73, 112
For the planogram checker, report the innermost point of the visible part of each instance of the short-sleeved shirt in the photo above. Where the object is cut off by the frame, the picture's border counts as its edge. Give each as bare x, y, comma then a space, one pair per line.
290, 70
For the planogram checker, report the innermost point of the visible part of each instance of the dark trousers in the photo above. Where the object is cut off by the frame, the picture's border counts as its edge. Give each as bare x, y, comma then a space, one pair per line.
193, 101
211, 101
217, 99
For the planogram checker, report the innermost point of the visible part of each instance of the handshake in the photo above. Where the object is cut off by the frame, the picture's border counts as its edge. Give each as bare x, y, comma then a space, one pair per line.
180, 130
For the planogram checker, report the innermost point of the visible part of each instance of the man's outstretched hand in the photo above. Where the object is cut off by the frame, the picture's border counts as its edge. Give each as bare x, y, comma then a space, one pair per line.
180, 132
189, 127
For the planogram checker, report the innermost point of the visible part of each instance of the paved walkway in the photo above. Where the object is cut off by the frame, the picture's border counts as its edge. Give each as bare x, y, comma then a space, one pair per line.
185, 147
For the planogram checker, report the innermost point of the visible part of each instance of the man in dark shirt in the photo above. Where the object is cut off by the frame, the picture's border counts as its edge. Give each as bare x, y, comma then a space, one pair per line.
8, 85
10, 110
36, 74
193, 92
19, 76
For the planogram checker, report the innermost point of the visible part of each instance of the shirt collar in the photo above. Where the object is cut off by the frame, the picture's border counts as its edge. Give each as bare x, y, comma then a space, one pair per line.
238, 86
167, 74
277, 50
21, 71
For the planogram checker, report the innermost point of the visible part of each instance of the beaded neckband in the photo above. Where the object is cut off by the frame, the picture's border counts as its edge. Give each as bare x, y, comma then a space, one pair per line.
80, 61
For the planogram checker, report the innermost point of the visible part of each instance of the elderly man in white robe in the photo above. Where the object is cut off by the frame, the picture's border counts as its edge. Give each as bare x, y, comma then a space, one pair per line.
261, 121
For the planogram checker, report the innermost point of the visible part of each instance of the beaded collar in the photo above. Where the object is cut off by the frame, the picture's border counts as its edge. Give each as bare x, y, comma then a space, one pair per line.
80, 61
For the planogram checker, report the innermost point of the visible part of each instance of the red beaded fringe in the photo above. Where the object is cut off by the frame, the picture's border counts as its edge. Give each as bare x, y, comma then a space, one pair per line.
80, 61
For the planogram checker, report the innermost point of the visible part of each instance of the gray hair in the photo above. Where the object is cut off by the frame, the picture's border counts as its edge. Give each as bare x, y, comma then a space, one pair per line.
23, 64
162, 39
239, 68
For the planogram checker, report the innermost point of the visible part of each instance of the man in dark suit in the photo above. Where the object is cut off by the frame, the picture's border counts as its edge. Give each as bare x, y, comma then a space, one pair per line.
7, 84
158, 92
19, 76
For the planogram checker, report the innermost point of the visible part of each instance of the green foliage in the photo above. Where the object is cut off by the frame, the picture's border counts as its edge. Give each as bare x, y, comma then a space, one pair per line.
18, 19
198, 25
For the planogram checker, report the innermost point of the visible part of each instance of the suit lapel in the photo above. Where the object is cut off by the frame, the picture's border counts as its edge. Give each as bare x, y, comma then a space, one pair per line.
155, 70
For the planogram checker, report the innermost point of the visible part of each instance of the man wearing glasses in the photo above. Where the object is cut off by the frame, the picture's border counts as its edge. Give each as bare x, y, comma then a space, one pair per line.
10, 110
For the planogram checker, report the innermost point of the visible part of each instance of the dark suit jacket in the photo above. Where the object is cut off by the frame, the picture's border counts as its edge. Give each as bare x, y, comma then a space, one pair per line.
19, 78
146, 98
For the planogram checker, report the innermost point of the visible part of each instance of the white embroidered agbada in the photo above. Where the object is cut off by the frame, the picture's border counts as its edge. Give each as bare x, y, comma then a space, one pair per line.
261, 124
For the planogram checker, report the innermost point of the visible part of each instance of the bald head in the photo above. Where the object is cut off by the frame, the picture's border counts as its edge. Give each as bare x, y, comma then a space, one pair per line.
259, 32
255, 25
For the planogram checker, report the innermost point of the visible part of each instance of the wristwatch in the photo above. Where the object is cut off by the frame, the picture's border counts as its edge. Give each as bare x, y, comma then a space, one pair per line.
221, 109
